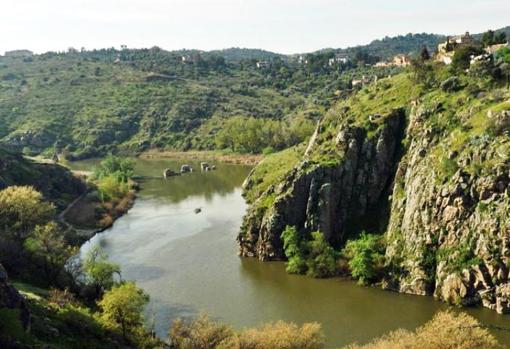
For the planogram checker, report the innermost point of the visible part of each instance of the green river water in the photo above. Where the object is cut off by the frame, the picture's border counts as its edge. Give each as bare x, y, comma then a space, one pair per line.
188, 264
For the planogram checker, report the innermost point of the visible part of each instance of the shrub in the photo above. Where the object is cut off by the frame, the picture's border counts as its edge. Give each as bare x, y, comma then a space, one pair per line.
201, 333
451, 84
446, 330
294, 251
122, 309
321, 261
366, 257
315, 257
280, 335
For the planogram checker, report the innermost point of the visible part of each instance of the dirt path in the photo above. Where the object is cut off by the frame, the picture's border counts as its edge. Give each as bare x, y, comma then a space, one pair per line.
69, 226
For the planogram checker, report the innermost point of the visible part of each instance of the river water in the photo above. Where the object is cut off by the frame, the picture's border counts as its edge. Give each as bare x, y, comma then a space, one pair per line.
188, 265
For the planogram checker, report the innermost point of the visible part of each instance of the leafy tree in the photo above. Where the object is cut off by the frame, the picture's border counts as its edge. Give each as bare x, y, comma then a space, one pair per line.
322, 257
316, 257
423, 73
47, 245
122, 309
101, 272
491, 38
120, 168
21, 209
366, 256
462, 57
294, 251
424, 54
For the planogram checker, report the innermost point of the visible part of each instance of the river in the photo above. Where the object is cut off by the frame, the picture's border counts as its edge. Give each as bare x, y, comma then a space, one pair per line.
187, 263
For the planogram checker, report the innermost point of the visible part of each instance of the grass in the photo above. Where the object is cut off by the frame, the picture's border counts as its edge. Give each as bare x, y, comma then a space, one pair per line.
270, 171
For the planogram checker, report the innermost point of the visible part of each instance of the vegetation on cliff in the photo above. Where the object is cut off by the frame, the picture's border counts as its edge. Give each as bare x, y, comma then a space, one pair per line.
414, 157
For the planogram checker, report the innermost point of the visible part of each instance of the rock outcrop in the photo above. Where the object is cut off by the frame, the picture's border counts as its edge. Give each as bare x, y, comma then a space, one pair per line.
442, 199
10, 299
450, 236
334, 198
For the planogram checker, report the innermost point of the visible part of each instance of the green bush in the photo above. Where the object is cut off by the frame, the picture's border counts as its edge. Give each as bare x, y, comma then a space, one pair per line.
321, 261
315, 257
294, 251
366, 257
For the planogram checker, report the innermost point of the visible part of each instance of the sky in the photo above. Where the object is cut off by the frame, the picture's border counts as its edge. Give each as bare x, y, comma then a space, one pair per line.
284, 26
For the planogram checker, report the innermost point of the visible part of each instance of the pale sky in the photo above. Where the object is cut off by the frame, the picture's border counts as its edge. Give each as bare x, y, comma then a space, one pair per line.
285, 26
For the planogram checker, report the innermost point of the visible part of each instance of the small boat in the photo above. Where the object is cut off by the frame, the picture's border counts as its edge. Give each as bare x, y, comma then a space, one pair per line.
198, 210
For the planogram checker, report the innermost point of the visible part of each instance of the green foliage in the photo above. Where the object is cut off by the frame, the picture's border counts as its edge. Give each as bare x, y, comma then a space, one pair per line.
458, 258
122, 309
21, 210
269, 171
462, 57
47, 246
251, 135
446, 330
200, 333
110, 188
294, 251
315, 257
366, 257
122, 169
100, 272
112, 177
492, 38
321, 259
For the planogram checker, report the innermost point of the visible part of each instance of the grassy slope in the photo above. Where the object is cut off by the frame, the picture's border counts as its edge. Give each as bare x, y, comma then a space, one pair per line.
68, 326
463, 119
57, 183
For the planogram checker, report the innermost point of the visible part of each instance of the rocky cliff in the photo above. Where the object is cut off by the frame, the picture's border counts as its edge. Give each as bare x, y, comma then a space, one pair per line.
449, 235
430, 171
333, 197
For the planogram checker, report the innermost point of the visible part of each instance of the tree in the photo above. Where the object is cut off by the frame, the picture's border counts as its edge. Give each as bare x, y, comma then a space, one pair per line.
47, 245
321, 259
100, 271
488, 38
366, 256
122, 308
120, 168
21, 209
294, 251
462, 57
424, 54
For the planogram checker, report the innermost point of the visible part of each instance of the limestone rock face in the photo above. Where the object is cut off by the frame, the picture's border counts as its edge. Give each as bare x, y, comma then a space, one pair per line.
328, 197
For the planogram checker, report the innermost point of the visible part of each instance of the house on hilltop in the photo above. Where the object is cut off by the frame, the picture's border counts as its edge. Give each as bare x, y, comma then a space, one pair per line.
263, 64
192, 58
401, 60
446, 50
340, 58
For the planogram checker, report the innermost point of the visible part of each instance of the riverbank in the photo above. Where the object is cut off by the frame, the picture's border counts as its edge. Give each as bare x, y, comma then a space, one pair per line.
196, 155
88, 214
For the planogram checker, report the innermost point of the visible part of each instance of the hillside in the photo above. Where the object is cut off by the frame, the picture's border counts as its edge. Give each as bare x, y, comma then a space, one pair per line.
91, 103
56, 182
86, 105
422, 165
